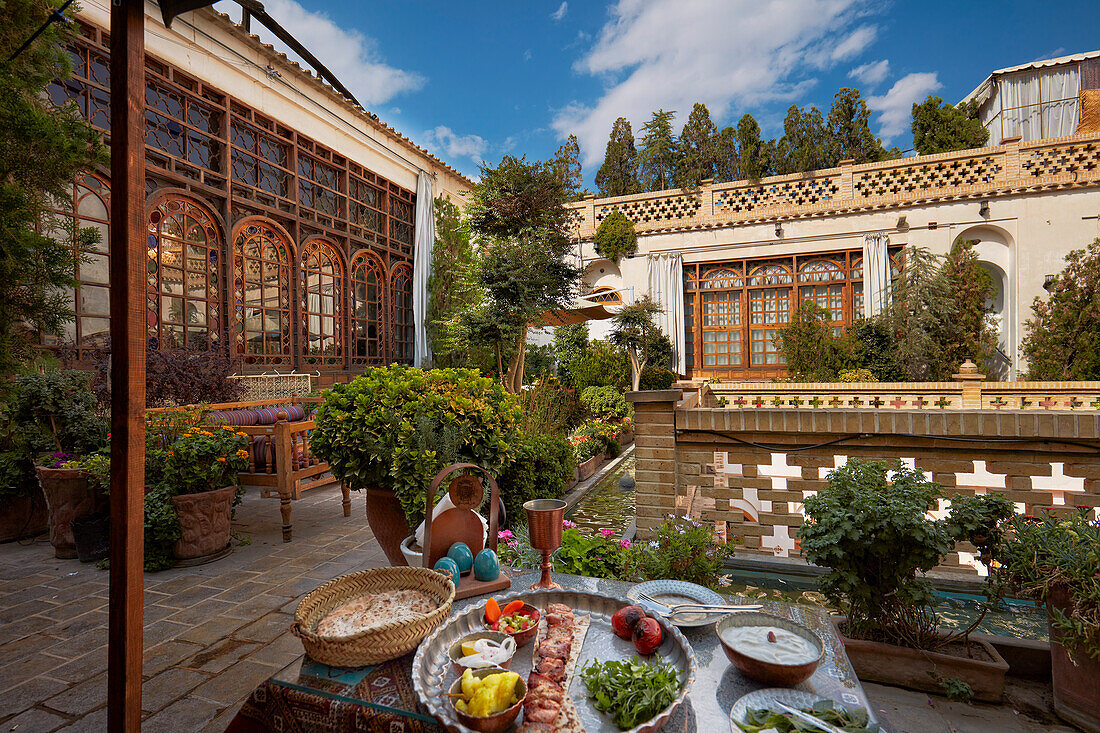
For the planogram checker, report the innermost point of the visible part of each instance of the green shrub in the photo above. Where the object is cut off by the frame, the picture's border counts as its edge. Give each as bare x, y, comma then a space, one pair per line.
602, 365
547, 407
655, 377
597, 555
809, 347
873, 343
543, 466
615, 237
538, 362
605, 402
861, 374
1062, 340
395, 427
595, 437
686, 550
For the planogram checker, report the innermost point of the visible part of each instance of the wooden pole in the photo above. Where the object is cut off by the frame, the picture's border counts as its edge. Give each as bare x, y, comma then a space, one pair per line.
124, 649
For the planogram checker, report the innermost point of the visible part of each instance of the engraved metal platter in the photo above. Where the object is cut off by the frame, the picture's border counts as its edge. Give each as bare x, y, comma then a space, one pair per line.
432, 674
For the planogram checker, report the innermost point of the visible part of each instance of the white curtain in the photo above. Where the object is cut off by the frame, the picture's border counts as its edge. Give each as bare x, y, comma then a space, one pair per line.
666, 286
422, 267
876, 274
1060, 97
1037, 104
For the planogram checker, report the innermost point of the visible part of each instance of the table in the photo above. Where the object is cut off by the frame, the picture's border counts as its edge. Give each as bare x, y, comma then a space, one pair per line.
308, 696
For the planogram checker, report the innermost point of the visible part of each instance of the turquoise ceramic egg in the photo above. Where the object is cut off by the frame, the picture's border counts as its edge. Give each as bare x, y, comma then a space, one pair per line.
463, 557
448, 565
486, 565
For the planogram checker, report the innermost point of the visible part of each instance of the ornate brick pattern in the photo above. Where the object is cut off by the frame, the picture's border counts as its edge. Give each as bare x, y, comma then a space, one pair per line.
930, 176
666, 208
1055, 160
787, 193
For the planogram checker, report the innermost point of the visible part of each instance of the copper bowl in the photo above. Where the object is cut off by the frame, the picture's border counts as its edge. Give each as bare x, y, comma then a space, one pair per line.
770, 673
523, 638
455, 652
489, 723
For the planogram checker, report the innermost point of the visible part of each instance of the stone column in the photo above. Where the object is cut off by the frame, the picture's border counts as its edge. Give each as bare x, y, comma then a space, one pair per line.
655, 455
971, 385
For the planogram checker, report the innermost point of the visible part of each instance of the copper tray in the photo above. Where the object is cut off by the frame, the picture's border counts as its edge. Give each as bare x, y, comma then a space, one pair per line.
432, 674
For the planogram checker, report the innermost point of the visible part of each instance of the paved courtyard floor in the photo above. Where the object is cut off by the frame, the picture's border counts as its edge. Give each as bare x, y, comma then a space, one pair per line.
214, 632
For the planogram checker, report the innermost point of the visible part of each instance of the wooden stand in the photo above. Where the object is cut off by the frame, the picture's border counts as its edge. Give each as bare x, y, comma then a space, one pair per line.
462, 524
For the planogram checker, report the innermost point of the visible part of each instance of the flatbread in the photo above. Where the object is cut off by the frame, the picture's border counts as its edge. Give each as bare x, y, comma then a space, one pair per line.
568, 721
374, 609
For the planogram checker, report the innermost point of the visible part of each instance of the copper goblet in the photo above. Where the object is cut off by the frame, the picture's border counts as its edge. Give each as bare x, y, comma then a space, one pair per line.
544, 519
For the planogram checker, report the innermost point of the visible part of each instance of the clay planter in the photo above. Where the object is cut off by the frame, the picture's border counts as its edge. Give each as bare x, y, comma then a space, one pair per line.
387, 521
587, 468
204, 523
23, 516
68, 497
626, 438
888, 664
1075, 676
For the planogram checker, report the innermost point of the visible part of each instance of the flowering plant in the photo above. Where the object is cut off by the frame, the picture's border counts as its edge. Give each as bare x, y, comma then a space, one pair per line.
206, 458
595, 436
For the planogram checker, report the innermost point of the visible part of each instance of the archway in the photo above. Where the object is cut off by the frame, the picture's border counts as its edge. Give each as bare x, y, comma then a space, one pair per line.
995, 248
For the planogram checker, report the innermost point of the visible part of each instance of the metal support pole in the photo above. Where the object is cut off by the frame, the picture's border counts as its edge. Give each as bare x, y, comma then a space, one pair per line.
124, 652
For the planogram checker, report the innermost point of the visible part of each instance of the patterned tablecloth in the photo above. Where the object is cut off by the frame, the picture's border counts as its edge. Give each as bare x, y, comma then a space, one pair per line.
307, 696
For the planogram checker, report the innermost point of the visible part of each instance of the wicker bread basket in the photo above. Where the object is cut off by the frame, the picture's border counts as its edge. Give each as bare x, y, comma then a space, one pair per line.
380, 643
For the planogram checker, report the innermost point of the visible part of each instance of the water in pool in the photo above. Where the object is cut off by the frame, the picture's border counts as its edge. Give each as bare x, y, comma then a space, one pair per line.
607, 504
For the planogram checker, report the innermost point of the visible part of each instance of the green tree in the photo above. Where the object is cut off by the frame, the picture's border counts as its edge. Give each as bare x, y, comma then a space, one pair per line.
939, 127
698, 145
567, 161
971, 333
524, 266
615, 237
618, 176
727, 158
848, 132
570, 344
1061, 339
659, 156
42, 148
812, 351
633, 329
751, 149
450, 292
803, 146
920, 303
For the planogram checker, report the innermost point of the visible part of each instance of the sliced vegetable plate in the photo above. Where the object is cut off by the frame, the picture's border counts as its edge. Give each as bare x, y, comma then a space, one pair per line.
758, 711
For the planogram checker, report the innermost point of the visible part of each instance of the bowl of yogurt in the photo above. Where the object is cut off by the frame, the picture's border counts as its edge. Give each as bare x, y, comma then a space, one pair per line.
770, 649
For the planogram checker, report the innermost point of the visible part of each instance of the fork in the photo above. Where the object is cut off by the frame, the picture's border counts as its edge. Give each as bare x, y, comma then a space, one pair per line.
688, 607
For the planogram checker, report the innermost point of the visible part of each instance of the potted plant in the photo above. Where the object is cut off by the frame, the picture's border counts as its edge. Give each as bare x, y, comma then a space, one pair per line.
385, 431
200, 478
89, 525
1056, 561
870, 527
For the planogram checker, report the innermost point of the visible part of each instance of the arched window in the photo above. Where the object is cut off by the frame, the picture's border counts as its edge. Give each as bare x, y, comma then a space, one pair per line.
401, 302
769, 312
722, 277
88, 209
605, 295
184, 250
827, 288
321, 285
261, 287
368, 281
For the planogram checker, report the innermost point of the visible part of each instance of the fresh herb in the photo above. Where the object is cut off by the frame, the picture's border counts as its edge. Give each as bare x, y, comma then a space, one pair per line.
852, 721
632, 690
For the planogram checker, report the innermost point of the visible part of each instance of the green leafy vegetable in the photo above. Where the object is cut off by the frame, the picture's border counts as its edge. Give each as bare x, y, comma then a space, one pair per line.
631, 690
852, 721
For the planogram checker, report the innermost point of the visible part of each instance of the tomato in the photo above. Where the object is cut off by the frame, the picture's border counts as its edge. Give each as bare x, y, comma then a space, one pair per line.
509, 630
495, 626
524, 625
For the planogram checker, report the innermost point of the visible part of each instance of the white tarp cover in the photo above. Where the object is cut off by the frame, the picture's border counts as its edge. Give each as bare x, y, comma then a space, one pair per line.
423, 244
876, 273
1034, 104
666, 287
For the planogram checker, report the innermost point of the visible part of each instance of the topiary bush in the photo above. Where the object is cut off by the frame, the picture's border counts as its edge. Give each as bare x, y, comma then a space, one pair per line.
606, 402
615, 237
655, 377
395, 427
543, 466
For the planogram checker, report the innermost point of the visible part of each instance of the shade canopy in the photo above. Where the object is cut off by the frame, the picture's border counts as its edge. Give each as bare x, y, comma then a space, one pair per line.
579, 311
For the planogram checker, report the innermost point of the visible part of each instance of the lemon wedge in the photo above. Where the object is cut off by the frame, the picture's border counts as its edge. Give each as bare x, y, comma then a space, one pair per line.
468, 649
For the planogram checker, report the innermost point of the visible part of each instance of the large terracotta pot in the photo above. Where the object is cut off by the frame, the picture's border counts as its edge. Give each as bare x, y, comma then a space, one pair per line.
1075, 675
23, 516
68, 497
204, 522
387, 521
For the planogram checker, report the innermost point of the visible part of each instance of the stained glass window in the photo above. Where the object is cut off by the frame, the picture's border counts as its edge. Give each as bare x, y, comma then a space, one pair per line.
261, 282
321, 285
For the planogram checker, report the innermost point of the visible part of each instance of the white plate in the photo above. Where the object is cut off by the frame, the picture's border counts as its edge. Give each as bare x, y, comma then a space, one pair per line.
672, 592
767, 698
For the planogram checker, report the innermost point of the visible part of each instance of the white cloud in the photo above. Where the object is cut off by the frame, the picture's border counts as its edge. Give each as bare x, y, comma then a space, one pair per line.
670, 53
872, 73
353, 57
560, 12
445, 142
895, 108
527, 55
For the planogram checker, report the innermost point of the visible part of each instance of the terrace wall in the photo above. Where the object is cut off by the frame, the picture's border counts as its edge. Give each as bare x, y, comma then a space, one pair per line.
748, 469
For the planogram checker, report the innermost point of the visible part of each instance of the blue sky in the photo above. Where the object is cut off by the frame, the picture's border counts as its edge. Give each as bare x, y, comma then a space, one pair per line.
474, 81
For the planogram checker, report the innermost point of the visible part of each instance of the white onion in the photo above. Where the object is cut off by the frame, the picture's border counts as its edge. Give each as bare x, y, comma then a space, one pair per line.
489, 653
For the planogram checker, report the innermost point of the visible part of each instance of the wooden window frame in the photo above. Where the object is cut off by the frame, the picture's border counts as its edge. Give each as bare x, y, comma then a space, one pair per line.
363, 263
272, 236
402, 330
322, 249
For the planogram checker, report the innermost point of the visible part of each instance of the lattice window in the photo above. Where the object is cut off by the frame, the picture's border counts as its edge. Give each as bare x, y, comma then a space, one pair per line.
89, 87
665, 208
319, 186
368, 282
944, 174
184, 248
261, 160
801, 192
261, 284
179, 124
321, 284
606, 295
722, 277
89, 208
1062, 159
770, 274
367, 207
402, 216
402, 312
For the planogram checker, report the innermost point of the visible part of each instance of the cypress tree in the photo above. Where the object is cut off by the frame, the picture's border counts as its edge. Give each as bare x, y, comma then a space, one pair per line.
728, 163
698, 146
751, 149
849, 132
939, 127
618, 176
567, 161
803, 146
659, 154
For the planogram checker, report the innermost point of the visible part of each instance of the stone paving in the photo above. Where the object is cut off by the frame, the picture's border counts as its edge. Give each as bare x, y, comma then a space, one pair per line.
212, 632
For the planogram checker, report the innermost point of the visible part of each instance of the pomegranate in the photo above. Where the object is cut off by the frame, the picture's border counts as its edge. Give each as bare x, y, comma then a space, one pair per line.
647, 636
625, 619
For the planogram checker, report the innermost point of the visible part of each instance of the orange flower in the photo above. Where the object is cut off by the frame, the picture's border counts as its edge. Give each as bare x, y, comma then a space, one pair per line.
221, 459
169, 452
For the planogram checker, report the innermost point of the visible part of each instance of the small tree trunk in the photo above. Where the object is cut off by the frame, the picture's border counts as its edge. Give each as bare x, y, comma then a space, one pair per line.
514, 381
636, 365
